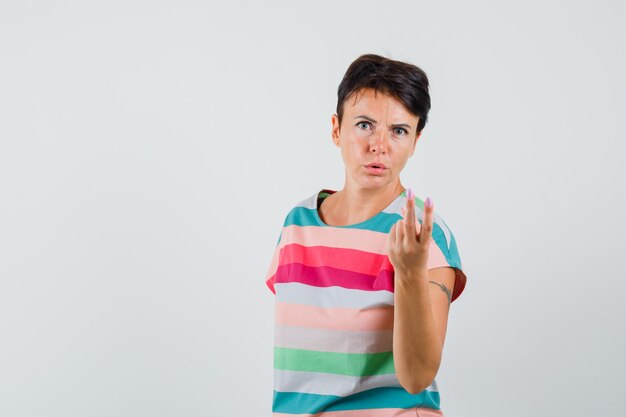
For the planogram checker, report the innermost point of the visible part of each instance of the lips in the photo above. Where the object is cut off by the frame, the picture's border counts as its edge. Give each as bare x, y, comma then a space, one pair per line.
377, 165
376, 168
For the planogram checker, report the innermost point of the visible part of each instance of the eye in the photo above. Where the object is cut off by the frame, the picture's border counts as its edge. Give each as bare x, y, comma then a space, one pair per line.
363, 123
401, 130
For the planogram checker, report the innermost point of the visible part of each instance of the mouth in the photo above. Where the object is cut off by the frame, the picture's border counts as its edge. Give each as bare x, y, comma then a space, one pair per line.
376, 169
377, 165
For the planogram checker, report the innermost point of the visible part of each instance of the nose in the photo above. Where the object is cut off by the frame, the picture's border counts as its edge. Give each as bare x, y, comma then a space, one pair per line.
378, 144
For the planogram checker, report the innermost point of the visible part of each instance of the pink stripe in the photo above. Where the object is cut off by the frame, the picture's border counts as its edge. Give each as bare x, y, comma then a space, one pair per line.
428, 412
365, 240
326, 277
436, 258
270, 285
326, 247
379, 318
340, 258
347, 238
378, 412
271, 270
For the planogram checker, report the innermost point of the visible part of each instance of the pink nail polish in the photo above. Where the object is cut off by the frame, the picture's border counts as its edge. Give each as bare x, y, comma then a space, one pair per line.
428, 202
409, 194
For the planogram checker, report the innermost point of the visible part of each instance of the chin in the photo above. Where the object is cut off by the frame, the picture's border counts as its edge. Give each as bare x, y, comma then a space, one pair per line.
375, 183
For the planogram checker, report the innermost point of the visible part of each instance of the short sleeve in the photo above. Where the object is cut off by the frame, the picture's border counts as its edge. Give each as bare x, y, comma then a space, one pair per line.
271, 271
443, 251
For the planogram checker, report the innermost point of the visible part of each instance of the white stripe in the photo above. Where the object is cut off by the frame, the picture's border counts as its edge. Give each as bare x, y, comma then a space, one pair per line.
395, 206
330, 297
328, 340
333, 384
309, 202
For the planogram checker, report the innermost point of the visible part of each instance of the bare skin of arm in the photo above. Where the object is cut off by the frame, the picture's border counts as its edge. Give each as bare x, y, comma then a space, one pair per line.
420, 323
421, 301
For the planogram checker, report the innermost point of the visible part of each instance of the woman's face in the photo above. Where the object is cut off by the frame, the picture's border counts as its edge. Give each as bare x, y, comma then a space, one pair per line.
376, 128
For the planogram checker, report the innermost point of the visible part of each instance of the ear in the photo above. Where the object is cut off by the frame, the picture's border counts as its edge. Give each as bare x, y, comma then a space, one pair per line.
415, 143
335, 129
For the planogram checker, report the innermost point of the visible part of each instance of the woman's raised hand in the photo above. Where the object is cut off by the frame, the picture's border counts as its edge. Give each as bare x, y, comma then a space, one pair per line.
408, 249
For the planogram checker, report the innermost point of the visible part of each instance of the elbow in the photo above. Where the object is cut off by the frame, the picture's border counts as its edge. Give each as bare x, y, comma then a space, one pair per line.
415, 387
418, 382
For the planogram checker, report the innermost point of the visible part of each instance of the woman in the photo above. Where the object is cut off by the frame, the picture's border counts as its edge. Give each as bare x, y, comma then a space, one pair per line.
363, 276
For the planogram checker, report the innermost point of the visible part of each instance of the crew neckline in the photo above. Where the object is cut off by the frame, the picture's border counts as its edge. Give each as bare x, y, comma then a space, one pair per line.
360, 224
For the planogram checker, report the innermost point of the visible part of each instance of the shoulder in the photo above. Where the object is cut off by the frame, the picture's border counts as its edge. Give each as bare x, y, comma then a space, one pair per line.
302, 212
442, 235
441, 231
309, 202
447, 253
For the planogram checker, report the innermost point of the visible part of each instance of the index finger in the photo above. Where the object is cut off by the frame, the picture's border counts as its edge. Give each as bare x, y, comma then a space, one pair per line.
427, 224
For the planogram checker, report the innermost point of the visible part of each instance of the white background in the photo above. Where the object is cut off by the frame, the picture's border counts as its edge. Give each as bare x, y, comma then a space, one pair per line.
150, 151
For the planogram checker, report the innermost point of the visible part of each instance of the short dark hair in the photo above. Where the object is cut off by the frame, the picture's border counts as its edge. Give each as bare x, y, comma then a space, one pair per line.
406, 82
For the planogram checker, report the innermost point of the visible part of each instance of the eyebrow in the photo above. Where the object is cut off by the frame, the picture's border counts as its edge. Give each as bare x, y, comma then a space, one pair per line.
374, 121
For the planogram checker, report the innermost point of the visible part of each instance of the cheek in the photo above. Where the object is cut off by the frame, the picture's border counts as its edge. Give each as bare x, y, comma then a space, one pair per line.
402, 162
350, 154
360, 133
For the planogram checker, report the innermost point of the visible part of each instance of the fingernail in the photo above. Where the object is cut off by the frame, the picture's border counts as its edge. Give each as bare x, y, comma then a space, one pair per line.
428, 202
409, 194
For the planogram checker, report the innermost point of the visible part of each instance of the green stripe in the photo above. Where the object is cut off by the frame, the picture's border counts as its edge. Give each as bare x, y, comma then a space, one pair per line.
354, 364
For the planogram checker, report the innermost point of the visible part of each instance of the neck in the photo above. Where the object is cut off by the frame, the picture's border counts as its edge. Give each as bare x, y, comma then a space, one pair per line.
359, 204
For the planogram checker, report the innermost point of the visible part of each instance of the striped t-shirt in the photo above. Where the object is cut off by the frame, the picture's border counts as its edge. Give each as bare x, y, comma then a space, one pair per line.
333, 286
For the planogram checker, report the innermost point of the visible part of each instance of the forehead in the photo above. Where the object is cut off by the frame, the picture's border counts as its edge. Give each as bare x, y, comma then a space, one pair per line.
371, 100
